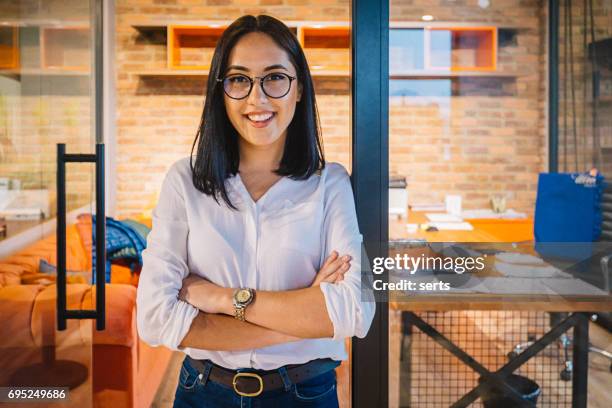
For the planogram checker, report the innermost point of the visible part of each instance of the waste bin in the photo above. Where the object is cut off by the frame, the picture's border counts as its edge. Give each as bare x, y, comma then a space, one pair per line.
497, 398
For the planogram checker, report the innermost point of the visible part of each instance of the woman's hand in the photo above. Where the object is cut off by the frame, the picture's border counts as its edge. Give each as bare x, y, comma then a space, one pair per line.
205, 295
333, 269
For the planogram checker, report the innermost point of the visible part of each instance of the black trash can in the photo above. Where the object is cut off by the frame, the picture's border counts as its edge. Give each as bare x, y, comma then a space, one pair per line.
496, 398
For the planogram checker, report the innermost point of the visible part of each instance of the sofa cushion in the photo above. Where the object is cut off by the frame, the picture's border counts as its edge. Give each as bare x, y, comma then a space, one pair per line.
28, 263
77, 258
10, 274
16, 304
120, 315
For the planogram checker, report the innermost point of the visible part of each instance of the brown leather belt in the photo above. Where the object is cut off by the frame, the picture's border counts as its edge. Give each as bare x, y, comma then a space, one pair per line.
251, 382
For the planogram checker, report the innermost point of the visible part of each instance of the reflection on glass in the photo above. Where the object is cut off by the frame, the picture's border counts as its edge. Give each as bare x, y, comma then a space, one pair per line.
45, 98
468, 134
420, 87
405, 49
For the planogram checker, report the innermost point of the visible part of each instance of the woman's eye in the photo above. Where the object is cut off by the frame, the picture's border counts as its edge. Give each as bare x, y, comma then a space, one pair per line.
237, 79
276, 77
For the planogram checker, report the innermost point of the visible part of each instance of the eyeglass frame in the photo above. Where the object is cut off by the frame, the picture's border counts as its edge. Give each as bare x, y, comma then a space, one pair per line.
261, 81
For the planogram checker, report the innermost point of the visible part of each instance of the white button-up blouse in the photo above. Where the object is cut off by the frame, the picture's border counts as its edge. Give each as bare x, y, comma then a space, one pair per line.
277, 243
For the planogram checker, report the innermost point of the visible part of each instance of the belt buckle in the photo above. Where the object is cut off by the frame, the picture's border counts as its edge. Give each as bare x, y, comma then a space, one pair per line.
248, 394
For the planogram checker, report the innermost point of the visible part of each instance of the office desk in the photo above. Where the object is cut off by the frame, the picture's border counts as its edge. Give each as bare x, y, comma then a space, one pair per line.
495, 233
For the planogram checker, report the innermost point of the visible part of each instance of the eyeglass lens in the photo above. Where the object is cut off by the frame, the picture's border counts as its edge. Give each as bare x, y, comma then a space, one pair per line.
275, 85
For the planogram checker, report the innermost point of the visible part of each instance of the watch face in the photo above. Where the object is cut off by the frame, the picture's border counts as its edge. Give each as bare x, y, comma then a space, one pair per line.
243, 295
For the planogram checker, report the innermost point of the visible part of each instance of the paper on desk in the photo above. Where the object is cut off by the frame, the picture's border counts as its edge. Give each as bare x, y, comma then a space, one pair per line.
428, 207
488, 213
442, 217
452, 226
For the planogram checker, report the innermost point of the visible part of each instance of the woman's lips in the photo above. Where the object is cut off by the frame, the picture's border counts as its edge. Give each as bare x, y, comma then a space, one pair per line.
260, 124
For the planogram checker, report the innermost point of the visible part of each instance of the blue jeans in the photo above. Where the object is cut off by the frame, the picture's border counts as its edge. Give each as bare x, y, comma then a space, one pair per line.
317, 392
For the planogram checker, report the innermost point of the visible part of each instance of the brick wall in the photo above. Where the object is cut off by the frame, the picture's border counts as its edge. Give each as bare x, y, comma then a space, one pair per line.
484, 143
31, 125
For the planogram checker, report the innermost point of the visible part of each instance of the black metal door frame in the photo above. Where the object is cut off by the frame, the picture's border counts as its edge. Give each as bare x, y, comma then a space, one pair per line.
370, 178
99, 313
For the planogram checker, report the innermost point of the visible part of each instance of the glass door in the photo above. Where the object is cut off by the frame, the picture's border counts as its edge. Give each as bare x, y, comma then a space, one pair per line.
47, 97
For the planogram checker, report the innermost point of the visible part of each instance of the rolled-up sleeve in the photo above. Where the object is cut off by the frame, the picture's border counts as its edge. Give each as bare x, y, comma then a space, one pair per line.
163, 319
350, 310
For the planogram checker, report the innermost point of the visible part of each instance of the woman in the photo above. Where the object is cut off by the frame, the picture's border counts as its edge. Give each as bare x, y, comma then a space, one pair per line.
252, 267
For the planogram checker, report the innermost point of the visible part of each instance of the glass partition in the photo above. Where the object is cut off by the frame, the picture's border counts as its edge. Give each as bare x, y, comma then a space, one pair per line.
46, 98
485, 257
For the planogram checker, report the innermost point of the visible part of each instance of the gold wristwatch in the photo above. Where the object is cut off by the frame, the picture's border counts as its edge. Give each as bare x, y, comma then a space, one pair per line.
242, 298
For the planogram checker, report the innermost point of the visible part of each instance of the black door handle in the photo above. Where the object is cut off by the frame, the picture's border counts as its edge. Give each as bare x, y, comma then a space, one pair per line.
99, 313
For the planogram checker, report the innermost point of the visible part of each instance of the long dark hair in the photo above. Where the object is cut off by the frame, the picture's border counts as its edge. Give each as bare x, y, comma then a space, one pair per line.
217, 140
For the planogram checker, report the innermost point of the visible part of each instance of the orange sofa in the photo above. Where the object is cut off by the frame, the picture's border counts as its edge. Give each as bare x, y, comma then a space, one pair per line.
123, 370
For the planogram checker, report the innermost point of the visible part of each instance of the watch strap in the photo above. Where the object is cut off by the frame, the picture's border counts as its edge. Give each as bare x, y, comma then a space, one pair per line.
239, 313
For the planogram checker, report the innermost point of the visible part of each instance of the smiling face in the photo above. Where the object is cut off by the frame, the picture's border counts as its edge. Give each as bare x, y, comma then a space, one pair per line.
261, 121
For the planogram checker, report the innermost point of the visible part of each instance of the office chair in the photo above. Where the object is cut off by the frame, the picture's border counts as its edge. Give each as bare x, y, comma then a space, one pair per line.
565, 341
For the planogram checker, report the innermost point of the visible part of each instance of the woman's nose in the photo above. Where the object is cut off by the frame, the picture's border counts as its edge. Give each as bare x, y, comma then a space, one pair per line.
257, 94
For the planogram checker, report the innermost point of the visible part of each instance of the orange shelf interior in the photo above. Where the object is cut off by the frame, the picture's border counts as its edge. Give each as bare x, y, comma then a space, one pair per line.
9, 47
66, 48
326, 37
471, 49
191, 47
326, 48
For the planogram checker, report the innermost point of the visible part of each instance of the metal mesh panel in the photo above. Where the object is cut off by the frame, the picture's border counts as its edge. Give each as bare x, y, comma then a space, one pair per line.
432, 377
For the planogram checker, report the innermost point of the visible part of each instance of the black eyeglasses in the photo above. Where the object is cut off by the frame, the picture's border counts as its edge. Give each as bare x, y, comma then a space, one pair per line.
274, 85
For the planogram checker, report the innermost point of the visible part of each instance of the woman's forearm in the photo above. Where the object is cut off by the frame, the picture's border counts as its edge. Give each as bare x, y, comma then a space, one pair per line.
225, 333
304, 313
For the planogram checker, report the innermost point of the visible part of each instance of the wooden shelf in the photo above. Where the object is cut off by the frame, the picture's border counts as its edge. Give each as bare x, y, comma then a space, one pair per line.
452, 74
192, 47
42, 22
446, 24
461, 48
326, 47
18, 73
443, 51
65, 48
9, 47
324, 36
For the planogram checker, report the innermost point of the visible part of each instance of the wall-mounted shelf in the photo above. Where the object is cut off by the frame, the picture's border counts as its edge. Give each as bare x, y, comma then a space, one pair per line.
65, 48
44, 22
326, 48
9, 47
190, 46
461, 48
429, 50
453, 74
420, 50
44, 48
18, 73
